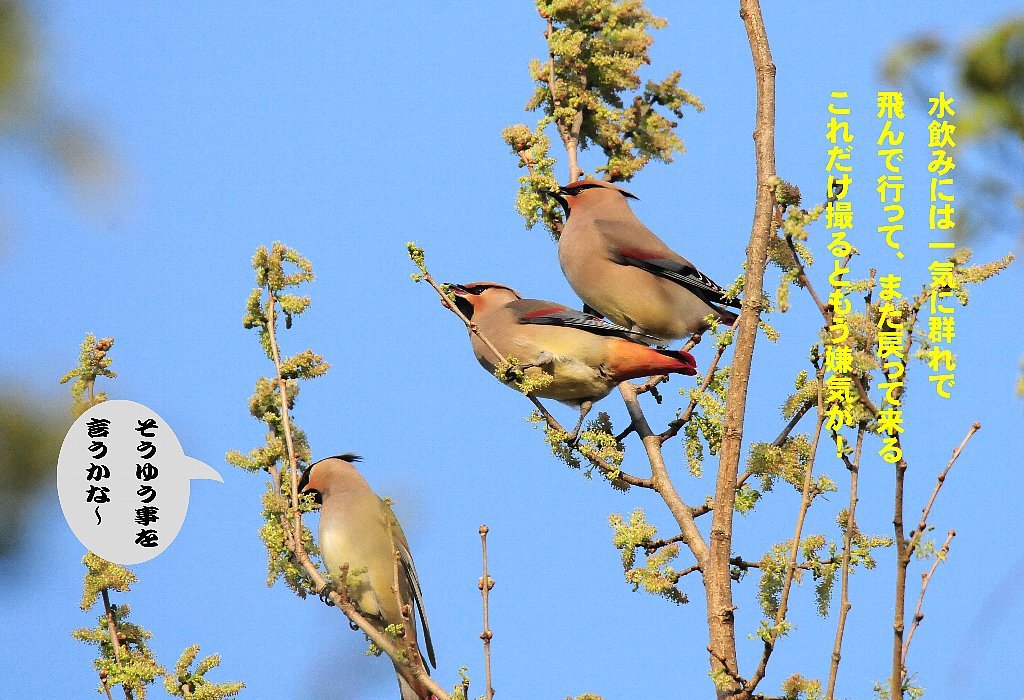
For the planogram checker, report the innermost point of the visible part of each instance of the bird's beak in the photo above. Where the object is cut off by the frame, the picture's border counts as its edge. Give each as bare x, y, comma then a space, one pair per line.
457, 289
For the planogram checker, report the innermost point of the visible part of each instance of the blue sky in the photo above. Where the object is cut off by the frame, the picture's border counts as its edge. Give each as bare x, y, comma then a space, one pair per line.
346, 131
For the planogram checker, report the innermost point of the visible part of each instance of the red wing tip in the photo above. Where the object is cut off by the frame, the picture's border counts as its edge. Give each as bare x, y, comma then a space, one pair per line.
638, 254
689, 367
685, 357
543, 312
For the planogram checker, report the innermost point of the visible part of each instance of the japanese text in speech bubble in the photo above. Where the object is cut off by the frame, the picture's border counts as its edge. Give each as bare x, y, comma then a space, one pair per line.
123, 481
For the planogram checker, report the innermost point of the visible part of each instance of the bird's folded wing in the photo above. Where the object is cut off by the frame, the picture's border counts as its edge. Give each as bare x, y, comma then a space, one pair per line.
680, 273
417, 593
532, 311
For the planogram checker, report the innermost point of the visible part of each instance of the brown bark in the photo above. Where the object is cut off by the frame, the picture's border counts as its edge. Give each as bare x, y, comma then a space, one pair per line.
717, 580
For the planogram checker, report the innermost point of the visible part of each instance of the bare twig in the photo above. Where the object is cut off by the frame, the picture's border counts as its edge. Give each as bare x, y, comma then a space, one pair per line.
111, 626
651, 383
687, 571
905, 550
926, 578
902, 551
916, 533
658, 544
902, 561
486, 584
690, 344
844, 598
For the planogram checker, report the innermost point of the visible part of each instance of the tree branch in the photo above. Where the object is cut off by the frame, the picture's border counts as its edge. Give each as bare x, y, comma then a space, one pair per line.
662, 483
676, 425
717, 578
570, 137
486, 584
115, 642
802, 279
724, 665
286, 423
844, 599
925, 580
905, 550
916, 533
741, 563
658, 544
805, 503
106, 686
902, 561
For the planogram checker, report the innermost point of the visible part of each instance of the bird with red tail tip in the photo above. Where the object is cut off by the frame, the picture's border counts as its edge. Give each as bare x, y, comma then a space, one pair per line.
624, 272
577, 358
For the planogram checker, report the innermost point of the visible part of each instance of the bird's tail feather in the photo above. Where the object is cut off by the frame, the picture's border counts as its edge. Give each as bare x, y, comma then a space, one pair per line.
409, 693
725, 316
632, 360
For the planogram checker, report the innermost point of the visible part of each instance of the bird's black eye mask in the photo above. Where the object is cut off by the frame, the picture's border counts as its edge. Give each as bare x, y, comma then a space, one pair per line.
558, 196
463, 305
461, 302
304, 482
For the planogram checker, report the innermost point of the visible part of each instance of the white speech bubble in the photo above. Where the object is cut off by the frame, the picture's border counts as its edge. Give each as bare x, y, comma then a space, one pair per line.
123, 481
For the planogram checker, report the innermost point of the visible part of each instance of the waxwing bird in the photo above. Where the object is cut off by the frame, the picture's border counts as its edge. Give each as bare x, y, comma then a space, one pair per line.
358, 528
621, 270
581, 357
